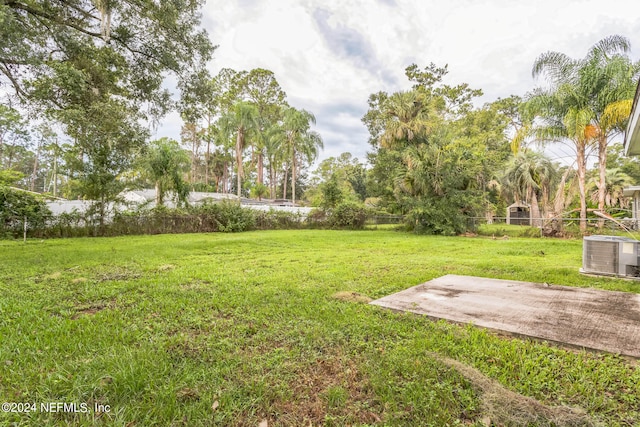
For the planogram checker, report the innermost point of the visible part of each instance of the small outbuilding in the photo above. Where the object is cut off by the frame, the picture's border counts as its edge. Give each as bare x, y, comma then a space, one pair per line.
519, 213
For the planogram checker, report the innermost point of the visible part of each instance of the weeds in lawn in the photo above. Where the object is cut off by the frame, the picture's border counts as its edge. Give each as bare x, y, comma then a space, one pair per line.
244, 329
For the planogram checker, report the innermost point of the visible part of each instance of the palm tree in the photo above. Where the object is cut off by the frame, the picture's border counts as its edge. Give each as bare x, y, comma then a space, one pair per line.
300, 140
529, 175
407, 118
164, 163
597, 92
274, 141
243, 118
192, 135
308, 149
560, 119
616, 182
222, 132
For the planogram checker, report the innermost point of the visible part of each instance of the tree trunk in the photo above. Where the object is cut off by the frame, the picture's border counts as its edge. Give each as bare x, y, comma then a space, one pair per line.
260, 168
536, 221
225, 177
284, 185
34, 175
206, 163
208, 155
159, 194
582, 172
103, 203
602, 167
271, 182
193, 160
559, 200
239, 160
293, 179
55, 175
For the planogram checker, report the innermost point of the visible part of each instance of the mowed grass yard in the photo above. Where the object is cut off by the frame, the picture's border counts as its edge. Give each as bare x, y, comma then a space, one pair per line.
269, 328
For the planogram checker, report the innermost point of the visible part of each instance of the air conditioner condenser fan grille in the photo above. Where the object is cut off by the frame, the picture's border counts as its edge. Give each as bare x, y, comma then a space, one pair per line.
602, 257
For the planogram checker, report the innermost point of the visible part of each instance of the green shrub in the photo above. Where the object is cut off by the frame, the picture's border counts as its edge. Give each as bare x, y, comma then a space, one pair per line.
317, 218
228, 216
278, 220
15, 207
348, 215
66, 224
446, 216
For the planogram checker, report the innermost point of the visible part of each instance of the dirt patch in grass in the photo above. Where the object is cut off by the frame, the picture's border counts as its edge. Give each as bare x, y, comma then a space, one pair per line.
350, 296
330, 390
501, 406
187, 394
91, 309
53, 276
116, 272
165, 267
196, 284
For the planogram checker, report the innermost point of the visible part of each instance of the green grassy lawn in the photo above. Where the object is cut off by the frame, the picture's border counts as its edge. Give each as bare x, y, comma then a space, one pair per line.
236, 329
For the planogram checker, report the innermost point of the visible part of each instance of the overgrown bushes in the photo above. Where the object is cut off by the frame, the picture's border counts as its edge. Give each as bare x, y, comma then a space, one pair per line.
226, 216
209, 217
446, 216
16, 207
347, 215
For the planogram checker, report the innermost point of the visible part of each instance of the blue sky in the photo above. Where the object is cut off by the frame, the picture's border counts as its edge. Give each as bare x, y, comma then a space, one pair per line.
330, 55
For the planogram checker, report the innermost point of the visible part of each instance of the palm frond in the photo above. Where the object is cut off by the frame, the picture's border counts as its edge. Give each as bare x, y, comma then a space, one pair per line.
615, 115
552, 133
520, 137
554, 65
576, 121
609, 46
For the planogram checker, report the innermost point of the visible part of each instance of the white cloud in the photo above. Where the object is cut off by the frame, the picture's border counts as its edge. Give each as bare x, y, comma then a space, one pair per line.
329, 55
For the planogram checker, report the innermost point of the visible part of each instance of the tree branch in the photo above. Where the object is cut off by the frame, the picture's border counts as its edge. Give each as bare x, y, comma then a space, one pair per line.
40, 13
5, 70
81, 11
13, 62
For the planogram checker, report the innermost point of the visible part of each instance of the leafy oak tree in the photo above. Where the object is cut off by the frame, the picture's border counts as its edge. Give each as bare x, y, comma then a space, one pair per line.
146, 39
97, 68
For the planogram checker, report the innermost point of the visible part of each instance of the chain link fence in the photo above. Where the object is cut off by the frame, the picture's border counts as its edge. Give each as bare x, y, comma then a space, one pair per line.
555, 227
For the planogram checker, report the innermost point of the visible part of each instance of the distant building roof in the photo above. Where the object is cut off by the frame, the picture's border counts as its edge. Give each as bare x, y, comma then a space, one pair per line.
149, 196
68, 206
518, 205
630, 191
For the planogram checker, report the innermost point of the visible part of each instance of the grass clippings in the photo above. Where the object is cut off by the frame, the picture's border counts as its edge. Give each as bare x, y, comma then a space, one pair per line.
503, 407
350, 296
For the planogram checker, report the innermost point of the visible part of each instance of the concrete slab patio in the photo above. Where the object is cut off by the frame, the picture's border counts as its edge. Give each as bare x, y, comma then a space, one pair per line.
582, 317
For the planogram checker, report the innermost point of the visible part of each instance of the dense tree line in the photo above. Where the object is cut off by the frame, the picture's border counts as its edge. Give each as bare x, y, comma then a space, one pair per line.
90, 75
247, 128
82, 85
441, 161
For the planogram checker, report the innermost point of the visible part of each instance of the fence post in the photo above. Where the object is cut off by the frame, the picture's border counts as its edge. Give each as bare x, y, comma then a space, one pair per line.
25, 229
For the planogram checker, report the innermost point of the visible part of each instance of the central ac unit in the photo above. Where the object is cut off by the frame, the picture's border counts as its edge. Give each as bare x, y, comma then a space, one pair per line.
610, 255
